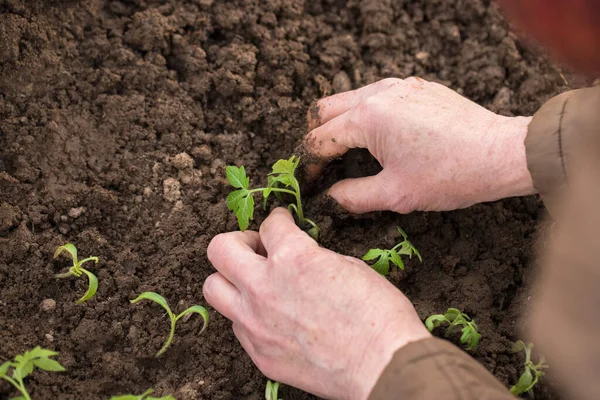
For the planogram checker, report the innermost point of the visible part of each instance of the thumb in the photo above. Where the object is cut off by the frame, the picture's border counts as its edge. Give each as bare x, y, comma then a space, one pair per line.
361, 195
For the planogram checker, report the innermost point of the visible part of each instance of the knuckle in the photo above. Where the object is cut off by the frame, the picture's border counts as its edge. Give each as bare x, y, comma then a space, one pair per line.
217, 245
389, 82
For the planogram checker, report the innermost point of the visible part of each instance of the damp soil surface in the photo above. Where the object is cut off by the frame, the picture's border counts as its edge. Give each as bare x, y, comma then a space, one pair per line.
117, 119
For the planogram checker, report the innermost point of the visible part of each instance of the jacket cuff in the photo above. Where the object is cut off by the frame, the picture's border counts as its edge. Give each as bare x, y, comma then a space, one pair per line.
552, 136
435, 369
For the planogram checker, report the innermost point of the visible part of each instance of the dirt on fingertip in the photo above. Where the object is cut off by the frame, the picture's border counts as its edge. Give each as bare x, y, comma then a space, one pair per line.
117, 119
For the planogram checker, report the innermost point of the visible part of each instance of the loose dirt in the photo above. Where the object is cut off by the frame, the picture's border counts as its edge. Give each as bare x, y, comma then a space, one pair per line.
117, 119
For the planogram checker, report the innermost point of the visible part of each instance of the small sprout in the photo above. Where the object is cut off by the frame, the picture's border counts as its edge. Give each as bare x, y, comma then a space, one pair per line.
281, 180
533, 372
383, 257
23, 366
454, 318
143, 396
271, 391
174, 318
77, 270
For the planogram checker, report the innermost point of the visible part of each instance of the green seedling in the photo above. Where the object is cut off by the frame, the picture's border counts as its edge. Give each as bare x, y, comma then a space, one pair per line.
454, 318
271, 391
384, 257
174, 318
533, 372
143, 396
16, 371
281, 180
77, 270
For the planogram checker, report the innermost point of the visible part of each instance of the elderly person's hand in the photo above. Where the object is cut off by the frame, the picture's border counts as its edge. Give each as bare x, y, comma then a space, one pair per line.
439, 151
308, 317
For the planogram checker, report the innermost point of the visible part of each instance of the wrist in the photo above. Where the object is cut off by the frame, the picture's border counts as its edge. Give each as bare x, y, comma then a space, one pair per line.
505, 160
378, 353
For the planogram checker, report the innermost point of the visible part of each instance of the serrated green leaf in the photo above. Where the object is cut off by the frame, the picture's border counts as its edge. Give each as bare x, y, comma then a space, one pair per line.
434, 321
92, 286
69, 248
286, 166
396, 260
155, 297
39, 352
373, 254
234, 198
237, 177
382, 265
198, 310
245, 212
48, 364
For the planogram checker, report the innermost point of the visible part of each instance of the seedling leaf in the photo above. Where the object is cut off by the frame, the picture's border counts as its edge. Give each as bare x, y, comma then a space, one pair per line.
155, 297
434, 321
69, 248
92, 288
198, 310
373, 254
48, 364
271, 391
237, 177
142, 396
384, 257
454, 317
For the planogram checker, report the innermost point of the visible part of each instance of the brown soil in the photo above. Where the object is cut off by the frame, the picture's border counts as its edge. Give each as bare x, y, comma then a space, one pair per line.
100, 98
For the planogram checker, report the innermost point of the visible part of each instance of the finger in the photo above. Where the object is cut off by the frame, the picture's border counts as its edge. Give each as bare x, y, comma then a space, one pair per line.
279, 228
361, 195
223, 296
336, 137
328, 108
236, 255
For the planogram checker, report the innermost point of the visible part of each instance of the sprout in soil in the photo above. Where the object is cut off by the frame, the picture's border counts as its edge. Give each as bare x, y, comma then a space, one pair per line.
271, 391
454, 318
174, 318
383, 257
16, 371
143, 396
77, 270
533, 372
280, 181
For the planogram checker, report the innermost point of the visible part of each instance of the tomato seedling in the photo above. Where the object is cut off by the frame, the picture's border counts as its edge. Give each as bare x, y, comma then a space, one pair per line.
157, 298
271, 391
143, 396
454, 318
77, 270
533, 372
16, 371
281, 180
384, 257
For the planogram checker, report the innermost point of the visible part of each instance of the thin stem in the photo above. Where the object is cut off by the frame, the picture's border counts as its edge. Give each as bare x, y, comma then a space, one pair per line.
170, 339
273, 190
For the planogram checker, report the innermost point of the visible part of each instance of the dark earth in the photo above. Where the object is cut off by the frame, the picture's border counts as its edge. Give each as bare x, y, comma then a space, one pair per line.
117, 119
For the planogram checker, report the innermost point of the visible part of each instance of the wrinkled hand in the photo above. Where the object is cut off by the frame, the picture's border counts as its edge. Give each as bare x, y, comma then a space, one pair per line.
439, 151
308, 317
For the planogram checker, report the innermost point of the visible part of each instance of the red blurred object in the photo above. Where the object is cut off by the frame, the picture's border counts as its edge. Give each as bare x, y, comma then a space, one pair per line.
570, 28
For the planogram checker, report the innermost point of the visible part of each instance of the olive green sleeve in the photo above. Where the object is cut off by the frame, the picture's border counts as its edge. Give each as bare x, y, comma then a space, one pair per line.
433, 369
552, 136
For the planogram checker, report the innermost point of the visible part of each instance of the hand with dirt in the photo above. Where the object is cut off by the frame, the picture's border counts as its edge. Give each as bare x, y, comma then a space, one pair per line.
439, 151
308, 317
